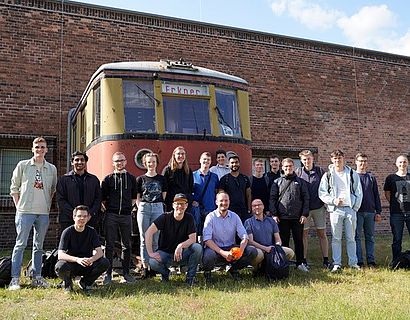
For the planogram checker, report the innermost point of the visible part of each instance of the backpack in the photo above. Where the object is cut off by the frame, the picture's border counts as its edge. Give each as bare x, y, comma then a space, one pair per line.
276, 264
402, 261
50, 259
5, 271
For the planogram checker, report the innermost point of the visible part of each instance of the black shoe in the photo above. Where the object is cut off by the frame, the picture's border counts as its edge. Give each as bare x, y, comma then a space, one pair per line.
190, 282
235, 275
83, 286
371, 265
164, 278
326, 265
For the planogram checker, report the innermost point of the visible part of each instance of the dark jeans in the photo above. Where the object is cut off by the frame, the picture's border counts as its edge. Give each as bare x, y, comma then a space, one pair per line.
68, 270
212, 259
286, 226
113, 223
397, 221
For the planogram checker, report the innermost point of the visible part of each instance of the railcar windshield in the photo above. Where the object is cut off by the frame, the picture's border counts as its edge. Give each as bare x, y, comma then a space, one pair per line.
228, 115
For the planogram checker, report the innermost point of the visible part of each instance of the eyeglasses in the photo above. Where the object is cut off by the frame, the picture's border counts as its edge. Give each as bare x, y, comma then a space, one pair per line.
40, 147
119, 160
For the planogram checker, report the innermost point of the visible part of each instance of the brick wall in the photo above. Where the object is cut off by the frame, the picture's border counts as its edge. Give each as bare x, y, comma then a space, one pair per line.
302, 93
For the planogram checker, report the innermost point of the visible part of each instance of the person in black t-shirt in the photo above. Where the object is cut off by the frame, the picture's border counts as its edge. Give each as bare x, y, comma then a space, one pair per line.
397, 193
80, 252
177, 241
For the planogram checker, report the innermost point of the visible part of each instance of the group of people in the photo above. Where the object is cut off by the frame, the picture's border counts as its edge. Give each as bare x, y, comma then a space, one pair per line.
214, 216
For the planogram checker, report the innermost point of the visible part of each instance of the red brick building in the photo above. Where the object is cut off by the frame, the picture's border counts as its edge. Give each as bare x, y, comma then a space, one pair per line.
303, 94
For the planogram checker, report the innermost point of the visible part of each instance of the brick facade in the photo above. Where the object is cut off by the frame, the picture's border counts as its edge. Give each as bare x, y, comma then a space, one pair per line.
303, 94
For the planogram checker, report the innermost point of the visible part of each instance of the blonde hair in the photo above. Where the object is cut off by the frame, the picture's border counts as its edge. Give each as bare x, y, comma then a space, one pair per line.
39, 139
173, 164
149, 154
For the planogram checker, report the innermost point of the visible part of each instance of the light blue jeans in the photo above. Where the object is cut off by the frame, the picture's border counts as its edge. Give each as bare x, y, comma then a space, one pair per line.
339, 218
24, 223
147, 213
191, 257
365, 223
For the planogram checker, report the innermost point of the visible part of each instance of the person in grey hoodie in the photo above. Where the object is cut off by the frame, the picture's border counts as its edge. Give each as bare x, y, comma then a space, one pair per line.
340, 189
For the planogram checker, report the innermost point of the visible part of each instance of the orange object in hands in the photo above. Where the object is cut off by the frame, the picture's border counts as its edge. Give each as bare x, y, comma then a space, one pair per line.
234, 254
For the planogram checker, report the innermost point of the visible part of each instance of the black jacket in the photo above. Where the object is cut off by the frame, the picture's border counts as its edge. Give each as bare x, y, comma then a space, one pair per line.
118, 190
289, 198
68, 195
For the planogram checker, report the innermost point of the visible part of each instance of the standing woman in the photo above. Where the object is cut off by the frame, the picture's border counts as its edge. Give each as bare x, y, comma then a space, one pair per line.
178, 177
151, 192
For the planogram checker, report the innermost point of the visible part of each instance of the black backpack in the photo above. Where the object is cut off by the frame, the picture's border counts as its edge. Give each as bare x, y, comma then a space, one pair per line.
276, 264
50, 259
5, 271
402, 261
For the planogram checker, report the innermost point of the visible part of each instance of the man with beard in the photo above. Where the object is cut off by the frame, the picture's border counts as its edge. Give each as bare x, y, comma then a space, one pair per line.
289, 205
238, 187
78, 187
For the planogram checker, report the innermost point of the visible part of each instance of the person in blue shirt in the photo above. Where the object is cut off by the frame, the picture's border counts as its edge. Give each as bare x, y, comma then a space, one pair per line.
205, 186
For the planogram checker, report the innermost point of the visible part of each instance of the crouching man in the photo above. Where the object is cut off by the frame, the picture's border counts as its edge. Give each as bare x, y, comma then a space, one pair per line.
220, 228
177, 241
80, 253
263, 233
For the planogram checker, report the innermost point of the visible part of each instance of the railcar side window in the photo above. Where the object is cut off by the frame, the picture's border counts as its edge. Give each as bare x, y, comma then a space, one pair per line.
139, 106
185, 115
97, 112
228, 115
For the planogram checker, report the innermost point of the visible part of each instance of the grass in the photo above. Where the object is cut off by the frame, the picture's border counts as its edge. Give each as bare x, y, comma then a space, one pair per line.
367, 294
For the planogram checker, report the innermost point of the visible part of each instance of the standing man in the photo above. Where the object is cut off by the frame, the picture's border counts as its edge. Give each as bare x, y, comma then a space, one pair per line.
274, 172
397, 193
260, 183
119, 193
33, 184
312, 175
341, 190
289, 205
78, 187
205, 186
220, 169
263, 233
369, 212
238, 187
177, 241
80, 252
220, 228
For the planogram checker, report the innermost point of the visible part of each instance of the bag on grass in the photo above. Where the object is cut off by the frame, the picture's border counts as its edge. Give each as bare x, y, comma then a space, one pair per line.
402, 261
50, 259
276, 264
5, 271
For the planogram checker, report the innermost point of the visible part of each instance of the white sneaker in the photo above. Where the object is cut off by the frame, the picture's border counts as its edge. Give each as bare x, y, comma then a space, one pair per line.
14, 284
356, 267
336, 268
302, 267
40, 282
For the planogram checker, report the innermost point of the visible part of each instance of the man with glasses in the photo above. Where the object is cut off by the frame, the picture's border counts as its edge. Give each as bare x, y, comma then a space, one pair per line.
177, 241
32, 187
119, 194
78, 187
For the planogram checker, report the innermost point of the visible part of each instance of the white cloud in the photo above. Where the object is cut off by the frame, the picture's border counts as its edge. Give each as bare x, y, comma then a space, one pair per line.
372, 27
309, 14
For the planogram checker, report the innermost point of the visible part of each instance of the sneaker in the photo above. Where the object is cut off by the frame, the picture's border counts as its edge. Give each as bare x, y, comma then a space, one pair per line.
68, 289
128, 278
371, 265
336, 268
190, 282
14, 284
164, 278
208, 277
326, 265
303, 267
355, 267
107, 279
83, 286
40, 282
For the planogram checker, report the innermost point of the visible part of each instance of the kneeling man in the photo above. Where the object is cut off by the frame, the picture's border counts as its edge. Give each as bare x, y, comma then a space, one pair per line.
220, 228
263, 233
80, 253
177, 241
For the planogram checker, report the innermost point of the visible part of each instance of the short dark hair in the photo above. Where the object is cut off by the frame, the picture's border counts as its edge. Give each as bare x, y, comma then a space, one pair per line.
220, 151
81, 207
79, 153
337, 153
275, 156
234, 156
360, 155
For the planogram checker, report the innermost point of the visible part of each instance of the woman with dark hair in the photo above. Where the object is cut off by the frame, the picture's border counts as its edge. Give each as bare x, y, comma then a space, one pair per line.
151, 192
178, 177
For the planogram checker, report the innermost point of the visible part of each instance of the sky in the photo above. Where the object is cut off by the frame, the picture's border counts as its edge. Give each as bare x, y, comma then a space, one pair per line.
376, 25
